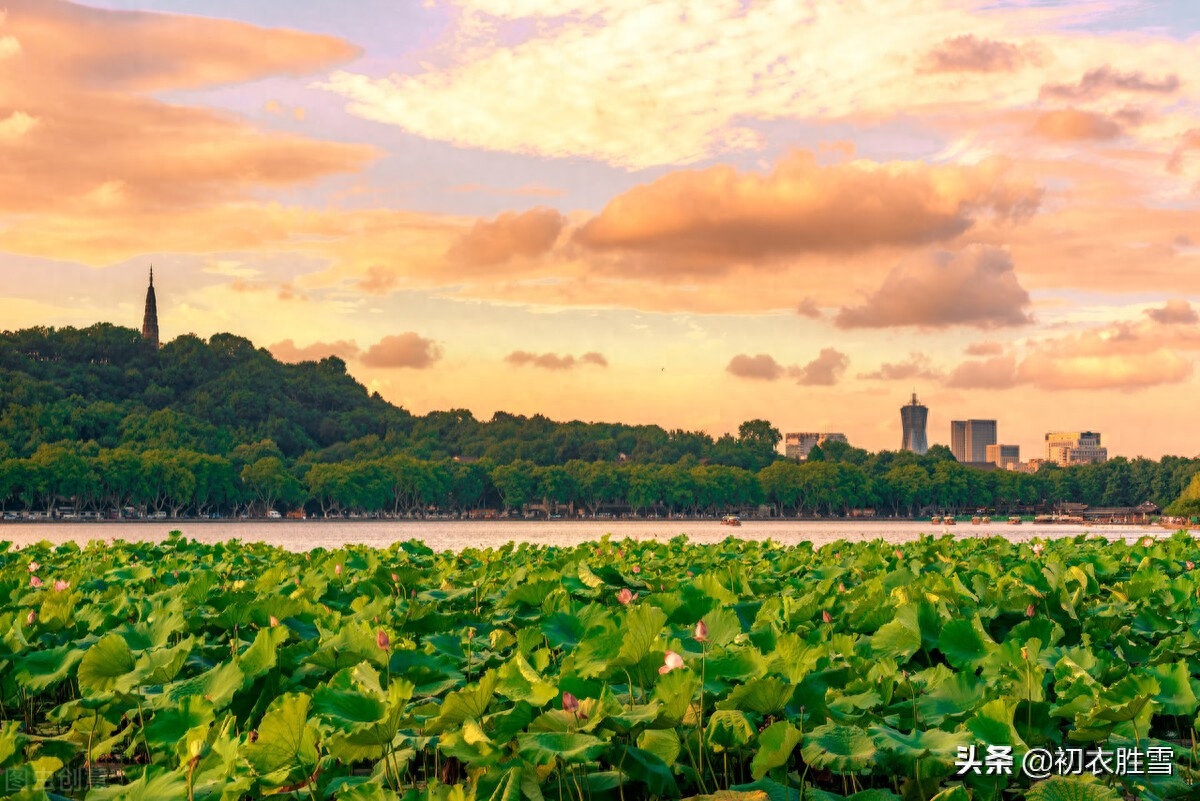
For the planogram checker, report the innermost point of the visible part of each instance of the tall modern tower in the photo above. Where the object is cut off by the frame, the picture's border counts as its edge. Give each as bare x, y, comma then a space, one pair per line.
150, 320
913, 416
969, 439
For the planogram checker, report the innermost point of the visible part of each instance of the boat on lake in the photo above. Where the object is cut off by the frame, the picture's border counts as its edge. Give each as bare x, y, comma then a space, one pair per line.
1014, 521
949, 520
731, 520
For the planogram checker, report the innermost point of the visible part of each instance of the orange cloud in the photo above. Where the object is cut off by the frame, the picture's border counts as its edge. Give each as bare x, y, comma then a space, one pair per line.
1071, 124
527, 234
403, 350
1104, 80
289, 351
809, 308
1116, 357
975, 287
704, 218
553, 361
759, 367
984, 349
917, 366
997, 373
1177, 312
93, 141
825, 370
969, 53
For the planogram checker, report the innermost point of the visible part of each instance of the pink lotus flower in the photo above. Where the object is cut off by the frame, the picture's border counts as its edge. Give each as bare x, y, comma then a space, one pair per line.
701, 632
337, 569
34, 567
1037, 548
671, 661
841, 587
1147, 542
61, 585
626, 597
381, 639
1029, 610
34, 581
636, 569
1189, 564
30, 618
274, 621
569, 702
690, 574
826, 617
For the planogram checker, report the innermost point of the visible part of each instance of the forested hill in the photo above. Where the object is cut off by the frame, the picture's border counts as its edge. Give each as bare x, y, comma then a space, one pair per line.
104, 385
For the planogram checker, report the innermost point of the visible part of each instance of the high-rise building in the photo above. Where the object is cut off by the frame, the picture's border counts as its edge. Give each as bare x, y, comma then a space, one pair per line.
150, 318
1066, 448
797, 446
1006, 457
914, 416
969, 439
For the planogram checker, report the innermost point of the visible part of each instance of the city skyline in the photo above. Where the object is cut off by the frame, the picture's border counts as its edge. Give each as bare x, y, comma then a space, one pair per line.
992, 206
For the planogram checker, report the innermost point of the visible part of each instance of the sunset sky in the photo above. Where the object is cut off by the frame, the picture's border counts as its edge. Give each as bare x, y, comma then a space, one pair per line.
689, 213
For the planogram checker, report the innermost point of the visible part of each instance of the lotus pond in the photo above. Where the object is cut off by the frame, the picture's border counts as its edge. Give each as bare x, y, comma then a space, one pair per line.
611, 670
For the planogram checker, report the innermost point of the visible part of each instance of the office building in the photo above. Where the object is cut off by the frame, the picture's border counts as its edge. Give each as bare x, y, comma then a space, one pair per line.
913, 417
1066, 448
1006, 457
969, 439
797, 446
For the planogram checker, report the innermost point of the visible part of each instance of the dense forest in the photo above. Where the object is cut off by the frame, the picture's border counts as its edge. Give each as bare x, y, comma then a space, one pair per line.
95, 420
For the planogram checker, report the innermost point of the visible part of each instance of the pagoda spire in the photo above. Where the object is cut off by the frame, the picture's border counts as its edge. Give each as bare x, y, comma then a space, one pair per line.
150, 319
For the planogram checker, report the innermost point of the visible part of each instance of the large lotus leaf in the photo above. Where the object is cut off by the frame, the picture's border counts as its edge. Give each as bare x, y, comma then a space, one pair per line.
1126, 699
369, 791
471, 745
793, 658
838, 748
11, 742
993, 724
562, 630
1072, 788
778, 792
642, 627
663, 743
529, 594
38, 670
160, 665
156, 784
953, 699
738, 795
728, 728
353, 643
646, 767
505, 725
218, 685
1175, 694
901, 638
935, 744
470, 703
155, 629
723, 627
520, 682
964, 642
675, 691
285, 751
766, 696
262, 654
775, 746
736, 664
105, 665
955, 793
630, 717
595, 651
177, 727
346, 707
58, 610
543, 747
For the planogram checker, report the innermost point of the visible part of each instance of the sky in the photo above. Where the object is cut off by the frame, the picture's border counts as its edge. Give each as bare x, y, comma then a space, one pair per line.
690, 213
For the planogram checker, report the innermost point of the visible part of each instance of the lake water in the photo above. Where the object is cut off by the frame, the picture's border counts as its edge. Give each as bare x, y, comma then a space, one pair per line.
454, 535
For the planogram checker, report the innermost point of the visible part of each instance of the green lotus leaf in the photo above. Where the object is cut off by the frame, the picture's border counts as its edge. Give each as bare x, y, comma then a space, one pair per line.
1072, 788
728, 728
38, 670
544, 747
964, 642
766, 696
470, 703
955, 793
217, 685
562, 630
842, 749
901, 638
663, 743
11, 741
262, 654
643, 625
1126, 699
105, 665
1175, 695
953, 699
285, 751
993, 724
471, 745
177, 727
160, 665
775, 746
646, 767
518, 681
723, 627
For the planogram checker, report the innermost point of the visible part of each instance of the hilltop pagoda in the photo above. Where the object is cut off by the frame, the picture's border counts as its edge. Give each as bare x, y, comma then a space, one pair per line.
150, 319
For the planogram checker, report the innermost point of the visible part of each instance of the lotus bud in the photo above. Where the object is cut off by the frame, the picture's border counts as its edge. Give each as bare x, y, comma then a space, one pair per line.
701, 632
1029, 611
395, 579
636, 569
61, 585
381, 639
690, 574
826, 617
1037, 549
30, 618
671, 661
34, 567
841, 587
253, 738
569, 702
337, 569
34, 581
1147, 542
625, 596
274, 621
1189, 564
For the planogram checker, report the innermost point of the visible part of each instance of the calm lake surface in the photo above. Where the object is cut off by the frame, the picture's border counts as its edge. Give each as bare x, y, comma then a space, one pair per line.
455, 535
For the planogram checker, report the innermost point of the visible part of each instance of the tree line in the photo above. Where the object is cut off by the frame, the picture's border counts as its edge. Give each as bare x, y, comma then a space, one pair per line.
93, 420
